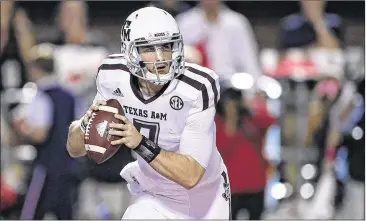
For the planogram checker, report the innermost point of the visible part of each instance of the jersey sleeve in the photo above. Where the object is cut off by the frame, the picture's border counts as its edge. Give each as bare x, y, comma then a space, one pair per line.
99, 95
103, 81
209, 89
199, 135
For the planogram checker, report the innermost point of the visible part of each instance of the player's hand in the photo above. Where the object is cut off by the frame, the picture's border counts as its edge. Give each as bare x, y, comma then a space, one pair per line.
93, 108
130, 135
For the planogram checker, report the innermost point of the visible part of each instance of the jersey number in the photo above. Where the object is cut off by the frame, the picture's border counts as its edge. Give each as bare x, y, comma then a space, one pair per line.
148, 129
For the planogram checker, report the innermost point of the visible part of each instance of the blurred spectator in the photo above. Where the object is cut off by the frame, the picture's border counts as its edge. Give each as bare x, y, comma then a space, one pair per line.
44, 124
350, 125
174, 7
240, 138
322, 99
311, 28
318, 133
77, 66
72, 26
8, 195
76, 43
78, 55
16, 40
192, 55
224, 37
330, 101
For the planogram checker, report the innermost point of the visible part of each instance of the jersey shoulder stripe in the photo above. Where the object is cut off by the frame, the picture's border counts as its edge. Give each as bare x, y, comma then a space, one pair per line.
204, 72
198, 86
113, 67
115, 56
113, 62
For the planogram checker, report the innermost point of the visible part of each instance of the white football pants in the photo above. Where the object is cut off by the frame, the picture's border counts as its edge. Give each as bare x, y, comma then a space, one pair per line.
217, 206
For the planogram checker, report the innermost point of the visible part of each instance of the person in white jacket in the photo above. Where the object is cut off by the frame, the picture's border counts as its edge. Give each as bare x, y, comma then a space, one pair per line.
224, 36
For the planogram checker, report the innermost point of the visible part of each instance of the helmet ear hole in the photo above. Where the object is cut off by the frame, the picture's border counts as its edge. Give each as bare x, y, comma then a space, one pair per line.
142, 64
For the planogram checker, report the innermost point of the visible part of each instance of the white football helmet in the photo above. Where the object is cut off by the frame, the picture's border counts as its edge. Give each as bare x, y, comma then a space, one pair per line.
152, 26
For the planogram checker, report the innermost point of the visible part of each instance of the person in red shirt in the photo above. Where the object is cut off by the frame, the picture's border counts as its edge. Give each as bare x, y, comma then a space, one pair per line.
240, 136
8, 195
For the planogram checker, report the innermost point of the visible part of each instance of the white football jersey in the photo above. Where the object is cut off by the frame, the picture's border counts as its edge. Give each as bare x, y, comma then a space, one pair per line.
180, 118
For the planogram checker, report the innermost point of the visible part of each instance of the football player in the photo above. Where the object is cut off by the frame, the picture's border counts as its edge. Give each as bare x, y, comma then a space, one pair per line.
169, 107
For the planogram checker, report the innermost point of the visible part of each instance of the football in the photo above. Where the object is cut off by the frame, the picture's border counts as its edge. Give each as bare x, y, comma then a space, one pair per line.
97, 138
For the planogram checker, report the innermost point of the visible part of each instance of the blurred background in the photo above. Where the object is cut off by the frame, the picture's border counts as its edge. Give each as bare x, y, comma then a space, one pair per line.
290, 122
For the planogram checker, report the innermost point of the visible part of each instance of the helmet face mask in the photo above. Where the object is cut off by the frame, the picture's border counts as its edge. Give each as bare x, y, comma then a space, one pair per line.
161, 30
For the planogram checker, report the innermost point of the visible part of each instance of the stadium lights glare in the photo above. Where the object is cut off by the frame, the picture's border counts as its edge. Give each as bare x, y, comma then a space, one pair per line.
29, 91
289, 190
271, 86
307, 190
357, 133
242, 81
25, 153
308, 171
278, 191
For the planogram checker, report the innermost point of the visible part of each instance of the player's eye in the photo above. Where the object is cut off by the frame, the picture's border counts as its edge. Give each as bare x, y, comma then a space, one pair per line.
163, 47
147, 49
167, 47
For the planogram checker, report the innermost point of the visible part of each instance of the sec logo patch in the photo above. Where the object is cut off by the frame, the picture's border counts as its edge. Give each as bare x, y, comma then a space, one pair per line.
176, 103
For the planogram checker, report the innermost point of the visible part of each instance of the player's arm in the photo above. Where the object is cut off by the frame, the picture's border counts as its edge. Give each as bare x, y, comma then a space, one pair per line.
188, 166
180, 168
75, 139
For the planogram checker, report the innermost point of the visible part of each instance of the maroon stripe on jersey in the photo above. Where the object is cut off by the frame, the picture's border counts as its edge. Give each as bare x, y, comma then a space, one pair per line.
197, 85
115, 57
209, 78
136, 90
113, 67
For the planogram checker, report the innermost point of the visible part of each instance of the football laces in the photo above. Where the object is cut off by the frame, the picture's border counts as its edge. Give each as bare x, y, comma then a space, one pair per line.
87, 130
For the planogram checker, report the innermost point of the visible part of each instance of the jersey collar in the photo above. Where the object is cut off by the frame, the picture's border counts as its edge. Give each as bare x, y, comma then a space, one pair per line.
136, 90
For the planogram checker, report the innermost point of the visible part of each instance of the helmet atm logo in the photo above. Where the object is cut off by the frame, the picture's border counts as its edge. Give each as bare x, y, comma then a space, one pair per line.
126, 30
